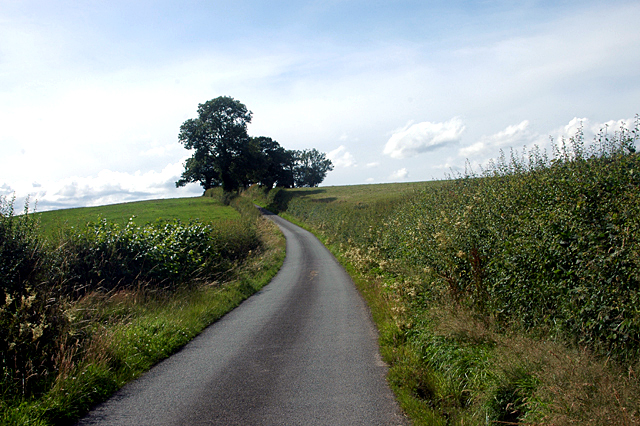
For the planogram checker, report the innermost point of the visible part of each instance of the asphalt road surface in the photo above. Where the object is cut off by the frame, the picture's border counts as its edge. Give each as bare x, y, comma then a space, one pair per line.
302, 351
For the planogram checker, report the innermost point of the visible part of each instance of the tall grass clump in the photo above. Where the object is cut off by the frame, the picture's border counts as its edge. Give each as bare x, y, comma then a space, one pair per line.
31, 320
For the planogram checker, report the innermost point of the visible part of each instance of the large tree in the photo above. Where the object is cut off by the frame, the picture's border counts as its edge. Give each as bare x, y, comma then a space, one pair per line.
224, 154
222, 150
276, 164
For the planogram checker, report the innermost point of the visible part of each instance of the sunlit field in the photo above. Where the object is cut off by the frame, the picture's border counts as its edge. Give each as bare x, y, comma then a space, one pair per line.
184, 209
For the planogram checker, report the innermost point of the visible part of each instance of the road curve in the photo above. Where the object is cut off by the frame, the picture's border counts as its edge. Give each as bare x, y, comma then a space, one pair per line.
302, 351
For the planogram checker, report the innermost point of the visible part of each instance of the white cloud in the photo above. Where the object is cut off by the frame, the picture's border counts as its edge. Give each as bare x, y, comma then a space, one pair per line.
340, 157
445, 166
513, 136
520, 135
108, 187
423, 137
400, 174
81, 94
6, 190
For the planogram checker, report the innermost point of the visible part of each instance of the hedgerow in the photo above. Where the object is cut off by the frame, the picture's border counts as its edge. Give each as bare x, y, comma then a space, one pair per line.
549, 245
161, 255
497, 286
42, 282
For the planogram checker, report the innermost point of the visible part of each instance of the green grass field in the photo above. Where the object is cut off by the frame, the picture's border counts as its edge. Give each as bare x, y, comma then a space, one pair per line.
360, 194
206, 209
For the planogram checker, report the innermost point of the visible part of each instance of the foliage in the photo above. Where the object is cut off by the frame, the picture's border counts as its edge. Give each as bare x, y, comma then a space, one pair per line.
162, 254
62, 295
549, 245
276, 164
125, 332
221, 143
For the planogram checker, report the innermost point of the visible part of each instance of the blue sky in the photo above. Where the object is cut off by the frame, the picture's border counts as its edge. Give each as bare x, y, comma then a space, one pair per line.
92, 93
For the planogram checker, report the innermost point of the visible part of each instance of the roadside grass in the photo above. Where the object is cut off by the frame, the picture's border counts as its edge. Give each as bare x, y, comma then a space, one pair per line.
114, 336
456, 357
205, 209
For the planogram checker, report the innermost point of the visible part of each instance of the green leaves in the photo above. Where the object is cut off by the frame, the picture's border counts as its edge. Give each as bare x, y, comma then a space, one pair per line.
163, 253
221, 143
547, 244
30, 319
551, 247
311, 167
481, 273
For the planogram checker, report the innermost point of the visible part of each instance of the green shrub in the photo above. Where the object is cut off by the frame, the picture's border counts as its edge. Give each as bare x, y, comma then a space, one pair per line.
37, 280
162, 255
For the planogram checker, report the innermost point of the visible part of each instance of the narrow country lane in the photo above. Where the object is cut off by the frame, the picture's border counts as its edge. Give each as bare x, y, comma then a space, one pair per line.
302, 351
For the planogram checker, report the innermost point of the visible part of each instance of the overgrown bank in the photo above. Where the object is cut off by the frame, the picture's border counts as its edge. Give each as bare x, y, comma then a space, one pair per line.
85, 313
509, 297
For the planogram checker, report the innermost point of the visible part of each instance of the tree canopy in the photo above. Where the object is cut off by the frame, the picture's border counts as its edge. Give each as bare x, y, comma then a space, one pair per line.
311, 167
225, 155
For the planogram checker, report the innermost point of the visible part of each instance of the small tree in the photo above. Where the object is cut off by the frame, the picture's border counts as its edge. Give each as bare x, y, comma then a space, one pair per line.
311, 168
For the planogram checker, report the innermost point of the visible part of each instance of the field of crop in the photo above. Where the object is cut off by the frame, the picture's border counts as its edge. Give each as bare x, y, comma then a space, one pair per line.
100, 300
509, 297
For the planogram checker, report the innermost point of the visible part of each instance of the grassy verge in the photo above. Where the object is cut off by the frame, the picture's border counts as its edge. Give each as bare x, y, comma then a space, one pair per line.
115, 336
